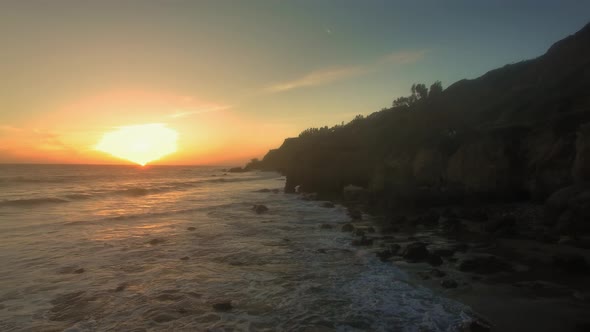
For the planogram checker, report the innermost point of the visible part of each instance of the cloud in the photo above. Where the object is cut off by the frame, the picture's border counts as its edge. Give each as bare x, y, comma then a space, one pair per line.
319, 77
181, 113
325, 76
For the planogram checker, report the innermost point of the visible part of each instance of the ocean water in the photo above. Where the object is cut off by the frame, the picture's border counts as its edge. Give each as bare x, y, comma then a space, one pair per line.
124, 248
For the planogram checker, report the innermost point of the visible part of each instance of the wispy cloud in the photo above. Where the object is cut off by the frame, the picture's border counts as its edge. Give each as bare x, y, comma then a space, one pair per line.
325, 76
319, 77
181, 113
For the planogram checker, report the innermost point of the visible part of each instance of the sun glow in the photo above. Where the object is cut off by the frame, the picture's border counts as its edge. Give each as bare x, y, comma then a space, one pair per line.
140, 144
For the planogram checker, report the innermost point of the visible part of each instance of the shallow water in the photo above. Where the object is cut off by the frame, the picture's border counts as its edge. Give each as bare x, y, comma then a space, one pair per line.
98, 248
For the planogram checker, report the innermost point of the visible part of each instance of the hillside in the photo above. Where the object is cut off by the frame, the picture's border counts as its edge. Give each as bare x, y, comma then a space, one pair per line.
518, 132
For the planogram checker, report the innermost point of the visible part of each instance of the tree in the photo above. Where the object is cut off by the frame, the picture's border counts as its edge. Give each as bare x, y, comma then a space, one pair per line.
435, 89
421, 91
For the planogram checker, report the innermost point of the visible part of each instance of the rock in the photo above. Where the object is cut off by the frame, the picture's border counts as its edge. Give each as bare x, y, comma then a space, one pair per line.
347, 227
79, 271
223, 306
265, 190
259, 208
309, 196
452, 226
275, 191
355, 214
359, 232
325, 226
121, 287
434, 260
568, 209
415, 251
352, 193
190, 228
477, 325
503, 226
425, 219
443, 251
386, 254
185, 258
581, 168
237, 170
483, 264
437, 273
544, 288
328, 205
156, 241
449, 283
363, 241
571, 263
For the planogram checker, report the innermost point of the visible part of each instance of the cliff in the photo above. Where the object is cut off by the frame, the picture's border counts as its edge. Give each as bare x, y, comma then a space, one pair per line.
518, 132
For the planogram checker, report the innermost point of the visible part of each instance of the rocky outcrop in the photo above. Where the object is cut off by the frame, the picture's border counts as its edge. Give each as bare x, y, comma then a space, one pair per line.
568, 210
581, 169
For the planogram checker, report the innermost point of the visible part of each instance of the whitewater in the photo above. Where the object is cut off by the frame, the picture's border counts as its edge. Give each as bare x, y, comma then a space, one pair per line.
125, 248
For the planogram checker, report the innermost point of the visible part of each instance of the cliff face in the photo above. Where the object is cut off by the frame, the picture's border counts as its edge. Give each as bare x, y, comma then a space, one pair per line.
521, 131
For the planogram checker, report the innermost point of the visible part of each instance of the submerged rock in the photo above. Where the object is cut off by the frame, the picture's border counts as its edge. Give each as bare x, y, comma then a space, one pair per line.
326, 226
222, 306
190, 228
259, 208
156, 241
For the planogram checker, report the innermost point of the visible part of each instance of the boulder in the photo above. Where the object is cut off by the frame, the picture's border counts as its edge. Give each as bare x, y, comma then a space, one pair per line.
237, 170
502, 226
416, 251
355, 214
434, 260
259, 208
352, 193
568, 209
483, 264
581, 168
449, 283
386, 254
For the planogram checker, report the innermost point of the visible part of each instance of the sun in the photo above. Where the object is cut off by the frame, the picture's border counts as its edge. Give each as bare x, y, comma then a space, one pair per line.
140, 144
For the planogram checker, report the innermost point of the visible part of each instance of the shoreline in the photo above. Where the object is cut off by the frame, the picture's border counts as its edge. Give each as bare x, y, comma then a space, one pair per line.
516, 276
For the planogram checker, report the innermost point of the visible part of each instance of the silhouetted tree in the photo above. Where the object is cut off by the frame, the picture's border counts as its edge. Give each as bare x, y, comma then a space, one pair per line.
435, 89
421, 91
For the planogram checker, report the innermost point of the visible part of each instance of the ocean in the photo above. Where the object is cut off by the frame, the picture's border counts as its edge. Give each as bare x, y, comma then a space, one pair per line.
126, 248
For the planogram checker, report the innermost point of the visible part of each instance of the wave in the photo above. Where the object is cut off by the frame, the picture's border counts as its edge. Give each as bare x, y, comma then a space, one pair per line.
137, 191
27, 202
143, 215
37, 179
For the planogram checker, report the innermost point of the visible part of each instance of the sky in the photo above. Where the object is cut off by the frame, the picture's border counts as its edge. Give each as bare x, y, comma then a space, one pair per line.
234, 78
